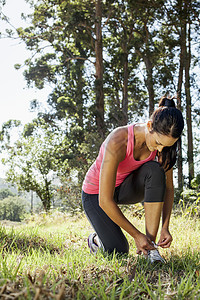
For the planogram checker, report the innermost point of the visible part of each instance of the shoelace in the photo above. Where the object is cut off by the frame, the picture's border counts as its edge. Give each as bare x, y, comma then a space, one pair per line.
154, 255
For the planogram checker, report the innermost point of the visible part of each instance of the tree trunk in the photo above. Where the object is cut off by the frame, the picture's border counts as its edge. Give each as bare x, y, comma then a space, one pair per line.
188, 108
149, 82
80, 86
99, 71
125, 83
149, 71
179, 94
45, 195
31, 202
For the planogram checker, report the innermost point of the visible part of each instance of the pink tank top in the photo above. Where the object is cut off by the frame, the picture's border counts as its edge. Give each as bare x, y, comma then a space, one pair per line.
125, 167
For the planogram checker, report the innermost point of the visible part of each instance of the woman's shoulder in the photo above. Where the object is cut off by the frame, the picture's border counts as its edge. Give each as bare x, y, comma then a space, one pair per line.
118, 135
116, 142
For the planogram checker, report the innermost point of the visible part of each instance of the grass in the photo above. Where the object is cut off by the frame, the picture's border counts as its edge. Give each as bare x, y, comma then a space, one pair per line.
48, 258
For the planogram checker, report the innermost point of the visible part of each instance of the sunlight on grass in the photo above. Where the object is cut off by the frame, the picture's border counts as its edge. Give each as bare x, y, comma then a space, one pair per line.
48, 257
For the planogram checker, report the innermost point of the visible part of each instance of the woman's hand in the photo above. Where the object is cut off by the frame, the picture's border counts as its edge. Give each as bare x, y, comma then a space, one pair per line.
165, 238
143, 244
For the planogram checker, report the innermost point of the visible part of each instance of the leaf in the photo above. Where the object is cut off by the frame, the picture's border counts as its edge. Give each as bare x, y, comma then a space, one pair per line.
17, 66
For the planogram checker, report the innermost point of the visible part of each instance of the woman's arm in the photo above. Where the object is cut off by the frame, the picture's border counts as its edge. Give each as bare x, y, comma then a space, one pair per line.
169, 199
166, 238
115, 152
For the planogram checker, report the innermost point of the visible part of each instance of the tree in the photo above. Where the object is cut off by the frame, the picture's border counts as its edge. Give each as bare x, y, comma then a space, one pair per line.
147, 44
62, 42
107, 62
187, 8
75, 31
12, 208
132, 42
68, 33
184, 19
179, 92
121, 84
5, 193
99, 69
35, 159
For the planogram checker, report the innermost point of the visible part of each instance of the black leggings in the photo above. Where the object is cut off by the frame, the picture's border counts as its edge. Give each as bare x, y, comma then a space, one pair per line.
146, 183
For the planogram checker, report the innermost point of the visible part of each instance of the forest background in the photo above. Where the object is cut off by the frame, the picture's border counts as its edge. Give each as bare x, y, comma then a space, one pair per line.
108, 63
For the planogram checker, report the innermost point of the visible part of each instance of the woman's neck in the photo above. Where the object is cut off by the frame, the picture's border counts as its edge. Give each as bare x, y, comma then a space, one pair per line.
140, 135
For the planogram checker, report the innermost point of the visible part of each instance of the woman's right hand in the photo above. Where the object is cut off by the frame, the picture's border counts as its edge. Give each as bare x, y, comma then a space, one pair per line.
143, 244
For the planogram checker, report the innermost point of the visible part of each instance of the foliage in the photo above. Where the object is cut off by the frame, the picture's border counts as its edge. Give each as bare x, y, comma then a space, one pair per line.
7, 130
4, 193
196, 182
142, 55
12, 208
62, 42
142, 61
36, 158
190, 199
63, 45
67, 197
190, 203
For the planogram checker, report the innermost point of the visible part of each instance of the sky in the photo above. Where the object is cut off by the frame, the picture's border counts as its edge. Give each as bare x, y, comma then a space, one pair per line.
15, 97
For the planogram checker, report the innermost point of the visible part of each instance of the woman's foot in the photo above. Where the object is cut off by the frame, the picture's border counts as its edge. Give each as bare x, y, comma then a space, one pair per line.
154, 256
93, 243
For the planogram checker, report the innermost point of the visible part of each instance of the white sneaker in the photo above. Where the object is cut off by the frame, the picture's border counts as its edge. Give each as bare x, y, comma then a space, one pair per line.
94, 246
91, 244
154, 256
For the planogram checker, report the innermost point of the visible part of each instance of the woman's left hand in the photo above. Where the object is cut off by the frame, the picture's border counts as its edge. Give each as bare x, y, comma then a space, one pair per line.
165, 238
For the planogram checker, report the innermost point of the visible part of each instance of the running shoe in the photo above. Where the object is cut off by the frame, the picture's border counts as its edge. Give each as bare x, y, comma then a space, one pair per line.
91, 244
154, 256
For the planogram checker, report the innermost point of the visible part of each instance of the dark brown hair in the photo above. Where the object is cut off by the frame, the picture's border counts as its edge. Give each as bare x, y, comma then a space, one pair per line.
168, 120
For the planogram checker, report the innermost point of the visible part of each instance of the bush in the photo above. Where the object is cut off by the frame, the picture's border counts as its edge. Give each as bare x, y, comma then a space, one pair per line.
190, 202
12, 208
5, 193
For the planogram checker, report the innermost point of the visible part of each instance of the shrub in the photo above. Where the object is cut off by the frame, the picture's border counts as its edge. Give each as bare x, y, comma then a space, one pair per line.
190, 199
5, 193
12, 208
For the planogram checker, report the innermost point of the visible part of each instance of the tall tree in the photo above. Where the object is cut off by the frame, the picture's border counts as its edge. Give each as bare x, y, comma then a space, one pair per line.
145, 44
72, 32
62, 38
183, 16
131, 45
99, 69
179, 90
121, 82
189, 102
138, 41
177, 28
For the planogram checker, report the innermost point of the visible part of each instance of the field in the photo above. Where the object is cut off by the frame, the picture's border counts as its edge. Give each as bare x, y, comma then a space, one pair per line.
48, 258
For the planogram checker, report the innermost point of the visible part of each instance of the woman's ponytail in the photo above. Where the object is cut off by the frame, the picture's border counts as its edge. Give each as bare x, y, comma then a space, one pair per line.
166, 102
168, 120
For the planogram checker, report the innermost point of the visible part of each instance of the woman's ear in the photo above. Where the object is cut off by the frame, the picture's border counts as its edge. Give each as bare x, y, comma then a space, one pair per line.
149, 126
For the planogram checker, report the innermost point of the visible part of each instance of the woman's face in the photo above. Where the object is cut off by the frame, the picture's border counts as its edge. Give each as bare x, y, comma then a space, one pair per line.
157, 141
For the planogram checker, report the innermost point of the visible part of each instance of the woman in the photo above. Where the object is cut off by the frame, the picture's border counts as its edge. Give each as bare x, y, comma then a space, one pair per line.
134, 164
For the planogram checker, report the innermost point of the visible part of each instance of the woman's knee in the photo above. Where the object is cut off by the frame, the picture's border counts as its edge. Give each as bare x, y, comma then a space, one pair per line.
155, 172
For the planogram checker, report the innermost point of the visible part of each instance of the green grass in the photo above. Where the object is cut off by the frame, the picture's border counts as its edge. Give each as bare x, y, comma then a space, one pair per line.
48, 258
